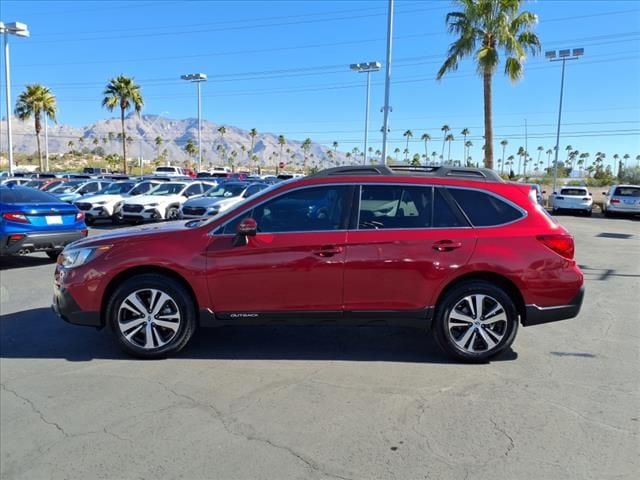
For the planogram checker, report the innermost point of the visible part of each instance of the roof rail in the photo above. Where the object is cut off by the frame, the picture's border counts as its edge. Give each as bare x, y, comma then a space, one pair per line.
482, 174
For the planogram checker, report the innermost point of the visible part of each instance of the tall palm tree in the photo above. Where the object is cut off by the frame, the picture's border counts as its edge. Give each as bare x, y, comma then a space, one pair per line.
306, 146
123, 92
449, 138
36, 101
568, 149
549, 152
396, 151
540, 150
444, 129
464, 133
521, 153
626, 157
509, 162
190, 148
425, 138
408, 134
504, 144
434, 154
496, 25
252, 133
158, 141
335, 148
467, 145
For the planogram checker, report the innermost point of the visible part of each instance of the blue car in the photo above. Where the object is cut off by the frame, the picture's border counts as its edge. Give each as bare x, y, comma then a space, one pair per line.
35, 221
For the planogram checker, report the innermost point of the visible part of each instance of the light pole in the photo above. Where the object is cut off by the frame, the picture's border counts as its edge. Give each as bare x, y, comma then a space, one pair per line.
387, 83
46, 142
198, 78
19, 30
366, 68
561, 56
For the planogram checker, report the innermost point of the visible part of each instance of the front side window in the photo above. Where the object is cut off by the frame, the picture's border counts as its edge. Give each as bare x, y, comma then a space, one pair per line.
305, 210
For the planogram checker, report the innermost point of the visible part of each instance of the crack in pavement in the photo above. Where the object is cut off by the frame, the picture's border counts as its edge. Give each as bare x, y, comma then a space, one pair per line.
251, 436
35, 410
512, 444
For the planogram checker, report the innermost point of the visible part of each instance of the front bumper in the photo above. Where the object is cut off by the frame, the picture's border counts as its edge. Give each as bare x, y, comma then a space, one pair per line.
150, 213
535, 315
66, 308
38, 242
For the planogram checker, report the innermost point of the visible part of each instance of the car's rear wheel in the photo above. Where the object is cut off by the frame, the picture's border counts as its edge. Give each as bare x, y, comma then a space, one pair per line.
53, 254
151, 315
475, 321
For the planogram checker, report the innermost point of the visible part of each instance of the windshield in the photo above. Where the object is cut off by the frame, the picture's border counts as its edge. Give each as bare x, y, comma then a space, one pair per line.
116, 188
226, 191
142, 187
67, 187
170, 188
573, 191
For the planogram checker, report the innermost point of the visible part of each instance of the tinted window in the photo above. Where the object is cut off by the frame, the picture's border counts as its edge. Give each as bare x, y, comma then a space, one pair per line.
305, 210
194, 189
573, 191
25, 195
482, 209
444, 214
627, 192
394, 206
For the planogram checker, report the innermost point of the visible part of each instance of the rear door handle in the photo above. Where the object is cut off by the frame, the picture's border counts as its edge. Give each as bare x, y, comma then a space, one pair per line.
446, 245
328, 251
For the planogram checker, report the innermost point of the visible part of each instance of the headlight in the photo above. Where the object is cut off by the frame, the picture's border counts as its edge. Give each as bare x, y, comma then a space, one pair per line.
100, 203
74, 257
152, 205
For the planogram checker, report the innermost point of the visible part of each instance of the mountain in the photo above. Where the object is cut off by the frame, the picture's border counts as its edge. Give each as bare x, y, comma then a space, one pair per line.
174, 133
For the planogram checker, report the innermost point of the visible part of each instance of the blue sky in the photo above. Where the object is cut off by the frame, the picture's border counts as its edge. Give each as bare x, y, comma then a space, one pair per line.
282, 67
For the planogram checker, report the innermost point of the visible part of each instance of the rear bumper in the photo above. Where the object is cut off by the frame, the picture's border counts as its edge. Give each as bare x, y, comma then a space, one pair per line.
35, 242
536, 315
66, 308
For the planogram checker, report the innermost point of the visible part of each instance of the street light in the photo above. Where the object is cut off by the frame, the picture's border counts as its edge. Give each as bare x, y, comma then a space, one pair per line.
19, 30
366, 68
561, 56
197, 78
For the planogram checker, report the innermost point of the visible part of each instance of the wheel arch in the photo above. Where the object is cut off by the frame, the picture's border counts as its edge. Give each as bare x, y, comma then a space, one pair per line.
503, 282
141, 270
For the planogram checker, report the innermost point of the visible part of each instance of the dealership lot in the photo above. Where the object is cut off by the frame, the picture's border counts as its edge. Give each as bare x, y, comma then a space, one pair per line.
278, 402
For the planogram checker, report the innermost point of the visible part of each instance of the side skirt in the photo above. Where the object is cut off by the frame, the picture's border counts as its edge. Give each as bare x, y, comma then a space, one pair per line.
414, 318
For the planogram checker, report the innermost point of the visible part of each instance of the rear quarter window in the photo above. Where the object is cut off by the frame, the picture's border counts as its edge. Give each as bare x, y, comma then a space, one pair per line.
484, 210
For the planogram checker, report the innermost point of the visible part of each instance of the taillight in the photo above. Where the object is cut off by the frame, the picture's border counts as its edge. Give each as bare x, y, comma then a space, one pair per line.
615, 200
79, 216
16, 217
561, 244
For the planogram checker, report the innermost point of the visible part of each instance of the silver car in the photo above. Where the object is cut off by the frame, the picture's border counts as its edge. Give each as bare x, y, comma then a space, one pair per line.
621, 199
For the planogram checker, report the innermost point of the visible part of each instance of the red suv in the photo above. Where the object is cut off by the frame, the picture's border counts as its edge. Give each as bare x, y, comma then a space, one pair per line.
454, 250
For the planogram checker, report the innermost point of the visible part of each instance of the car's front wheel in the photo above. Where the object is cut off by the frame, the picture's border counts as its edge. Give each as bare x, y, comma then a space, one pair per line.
172, 213
53, 254
475, 321
151, 315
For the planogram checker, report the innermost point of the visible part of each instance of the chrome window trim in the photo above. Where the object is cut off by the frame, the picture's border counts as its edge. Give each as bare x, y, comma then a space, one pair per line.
524, 213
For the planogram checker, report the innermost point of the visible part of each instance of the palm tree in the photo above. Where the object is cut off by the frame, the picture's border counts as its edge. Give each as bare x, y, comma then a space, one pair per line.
396, 151
222, 130
425, 138
467, 145
434, 154
449, 138
521, 153
504, 144
638, 160
408, 134
190, 148
540, 150
626, 157
549, 152
495, 25
306, 146
70, 146
335, 148
568, 149
158, 141
445, 129
252, 133
35, 101
464, 133
509, 162
123, 92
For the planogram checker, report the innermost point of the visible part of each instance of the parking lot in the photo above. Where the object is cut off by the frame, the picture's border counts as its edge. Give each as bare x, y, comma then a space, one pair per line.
325, 402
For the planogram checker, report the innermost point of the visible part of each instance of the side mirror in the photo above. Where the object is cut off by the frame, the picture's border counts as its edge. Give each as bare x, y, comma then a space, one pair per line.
248, 227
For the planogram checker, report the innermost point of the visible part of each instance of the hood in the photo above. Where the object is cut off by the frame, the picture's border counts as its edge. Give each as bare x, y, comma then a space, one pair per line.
210, 201
148, 199
101, 198
133, 234
69, 197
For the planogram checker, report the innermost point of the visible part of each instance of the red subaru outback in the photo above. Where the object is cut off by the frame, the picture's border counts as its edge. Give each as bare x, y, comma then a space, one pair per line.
454, 250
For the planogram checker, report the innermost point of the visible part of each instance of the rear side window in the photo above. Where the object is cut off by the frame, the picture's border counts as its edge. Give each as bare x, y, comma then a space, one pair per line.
484, 210
25, 195
627, 192
395, 206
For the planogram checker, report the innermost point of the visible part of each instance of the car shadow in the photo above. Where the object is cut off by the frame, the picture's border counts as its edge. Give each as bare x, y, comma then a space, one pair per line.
23, 261
57, 339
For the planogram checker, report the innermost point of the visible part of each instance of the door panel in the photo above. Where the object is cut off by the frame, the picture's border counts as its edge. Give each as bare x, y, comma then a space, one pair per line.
277, 272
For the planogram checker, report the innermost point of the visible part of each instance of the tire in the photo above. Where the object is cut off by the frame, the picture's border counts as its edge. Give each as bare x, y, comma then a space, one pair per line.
473, 343
172, 213
116, 219
133, 329
53, 254
588, 213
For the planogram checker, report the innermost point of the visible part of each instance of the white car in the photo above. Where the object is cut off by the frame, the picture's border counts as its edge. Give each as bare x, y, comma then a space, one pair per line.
163, 202
622, 199
107, 203
577, 199
169, 172
220, 199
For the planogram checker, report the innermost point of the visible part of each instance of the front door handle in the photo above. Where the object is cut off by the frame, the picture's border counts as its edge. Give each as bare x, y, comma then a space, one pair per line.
327, 251
446, 245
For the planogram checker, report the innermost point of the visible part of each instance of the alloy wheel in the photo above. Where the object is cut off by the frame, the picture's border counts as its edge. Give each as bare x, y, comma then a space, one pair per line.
477, 323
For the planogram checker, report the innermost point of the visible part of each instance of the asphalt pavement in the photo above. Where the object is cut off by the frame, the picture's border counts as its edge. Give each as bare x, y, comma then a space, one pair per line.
328, 403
